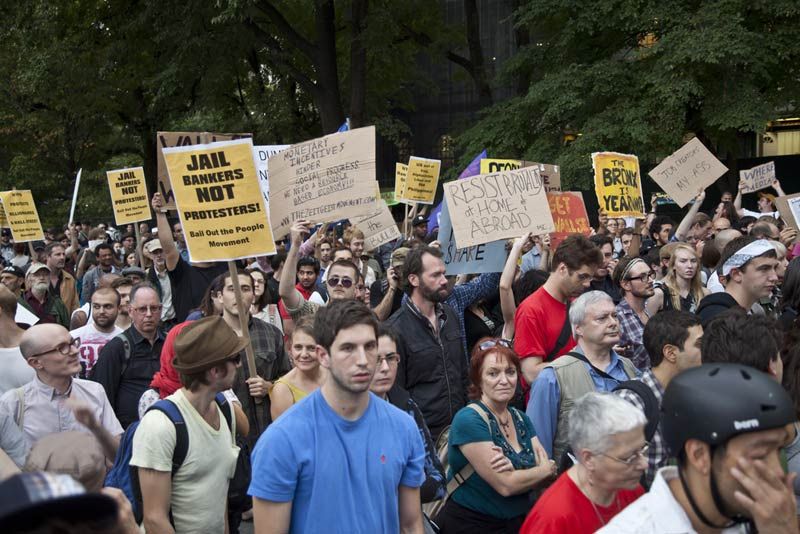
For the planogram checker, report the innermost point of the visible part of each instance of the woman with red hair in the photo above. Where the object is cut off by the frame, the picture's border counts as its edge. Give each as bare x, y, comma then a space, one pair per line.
495, 458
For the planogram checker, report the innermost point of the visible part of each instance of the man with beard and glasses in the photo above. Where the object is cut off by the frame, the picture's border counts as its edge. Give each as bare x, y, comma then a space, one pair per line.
49, 308
591, 366
100, 328
635, 280
342, 459
433, 367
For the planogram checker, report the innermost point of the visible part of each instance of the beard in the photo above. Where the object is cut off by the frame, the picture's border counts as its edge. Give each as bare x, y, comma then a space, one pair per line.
40, 288
434, 295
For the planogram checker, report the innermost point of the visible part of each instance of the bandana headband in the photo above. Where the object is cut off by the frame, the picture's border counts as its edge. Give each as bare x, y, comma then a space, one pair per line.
745, 254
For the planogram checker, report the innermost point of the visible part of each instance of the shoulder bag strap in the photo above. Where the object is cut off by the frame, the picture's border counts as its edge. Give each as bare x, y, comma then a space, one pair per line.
563, 337
20, 408
585, 360
467, 471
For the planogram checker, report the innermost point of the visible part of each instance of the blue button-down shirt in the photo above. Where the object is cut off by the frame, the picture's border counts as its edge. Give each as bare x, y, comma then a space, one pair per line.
546, 396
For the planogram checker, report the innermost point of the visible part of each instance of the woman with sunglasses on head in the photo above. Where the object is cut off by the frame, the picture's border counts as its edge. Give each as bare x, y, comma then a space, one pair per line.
494, 455
606, 435
307, 374
682, 287
383, 386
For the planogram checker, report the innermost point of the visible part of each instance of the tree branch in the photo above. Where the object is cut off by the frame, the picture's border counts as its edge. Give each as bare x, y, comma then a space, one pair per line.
286, 29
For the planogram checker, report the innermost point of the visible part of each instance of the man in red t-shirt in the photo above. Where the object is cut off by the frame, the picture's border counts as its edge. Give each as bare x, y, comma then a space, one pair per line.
541, 318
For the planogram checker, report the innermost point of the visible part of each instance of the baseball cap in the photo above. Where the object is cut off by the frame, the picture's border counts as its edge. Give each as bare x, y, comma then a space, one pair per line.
127, 271
27, 500
36, 267
419, 219
13, 269
153, 244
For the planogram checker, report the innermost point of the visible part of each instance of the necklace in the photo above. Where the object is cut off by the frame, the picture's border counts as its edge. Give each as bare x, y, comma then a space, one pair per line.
504, 425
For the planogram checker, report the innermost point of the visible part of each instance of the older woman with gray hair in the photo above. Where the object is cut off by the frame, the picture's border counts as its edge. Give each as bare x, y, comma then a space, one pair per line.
606, 435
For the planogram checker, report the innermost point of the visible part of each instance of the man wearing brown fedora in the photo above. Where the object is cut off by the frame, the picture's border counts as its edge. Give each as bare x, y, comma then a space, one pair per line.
206, 357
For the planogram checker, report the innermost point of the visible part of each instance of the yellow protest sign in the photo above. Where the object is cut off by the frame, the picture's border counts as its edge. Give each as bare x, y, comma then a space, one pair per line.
324, 179
176, 139
3, 218
219, 201
618, 184
22, 217
129, 195
498, 165
400, 176
423, 177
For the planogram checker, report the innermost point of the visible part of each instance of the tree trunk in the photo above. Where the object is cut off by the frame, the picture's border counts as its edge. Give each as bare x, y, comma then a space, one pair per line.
476, 54
358, 64
328, 97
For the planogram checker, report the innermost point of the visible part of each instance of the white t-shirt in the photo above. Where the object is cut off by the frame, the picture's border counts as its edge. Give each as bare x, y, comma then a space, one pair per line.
92, 342
200, 487
14, 370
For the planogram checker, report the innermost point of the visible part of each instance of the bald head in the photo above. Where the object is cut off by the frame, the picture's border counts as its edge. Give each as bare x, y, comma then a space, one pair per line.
40, 337
107, 279
724, 237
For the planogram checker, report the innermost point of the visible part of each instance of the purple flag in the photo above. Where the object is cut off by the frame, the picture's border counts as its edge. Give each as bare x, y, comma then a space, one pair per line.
471, 170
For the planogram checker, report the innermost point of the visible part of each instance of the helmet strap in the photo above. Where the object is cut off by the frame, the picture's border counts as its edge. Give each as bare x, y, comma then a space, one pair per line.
696, 509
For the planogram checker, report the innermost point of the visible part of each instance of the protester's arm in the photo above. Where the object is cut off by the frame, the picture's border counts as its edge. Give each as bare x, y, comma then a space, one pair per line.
507, 304
654, 304
542, 409
272, 517
281, 399
156, 489
126, 523
737, 202
483, 456
74, 246
309, 245
85, 416
384, 309
292, 298
242, 424
171, 254
688, 220
547, 253
776, 185
409, 510
464, 295
88, 285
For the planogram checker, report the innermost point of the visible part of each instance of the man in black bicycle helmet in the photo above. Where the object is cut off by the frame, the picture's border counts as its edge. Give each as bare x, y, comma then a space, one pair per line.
726, 424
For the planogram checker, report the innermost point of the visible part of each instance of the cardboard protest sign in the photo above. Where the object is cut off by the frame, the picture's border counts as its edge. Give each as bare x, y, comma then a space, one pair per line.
3, 217
219, 201
758, 178
496, 206
550, 173
174, 139
483, 258
129, 195
324, 179
422, 180
378, 227
400, 177
687, 172
618, 184
569, 216
261, 155
22, 217
789, 207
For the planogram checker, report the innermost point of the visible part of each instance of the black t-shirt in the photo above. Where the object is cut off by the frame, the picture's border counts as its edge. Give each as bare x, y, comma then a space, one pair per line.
378, 290
189, 284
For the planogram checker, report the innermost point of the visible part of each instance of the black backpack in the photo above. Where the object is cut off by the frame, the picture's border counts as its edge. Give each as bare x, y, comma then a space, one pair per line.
651, 408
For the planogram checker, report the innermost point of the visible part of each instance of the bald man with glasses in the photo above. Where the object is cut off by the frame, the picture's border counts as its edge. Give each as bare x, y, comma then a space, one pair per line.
54, 401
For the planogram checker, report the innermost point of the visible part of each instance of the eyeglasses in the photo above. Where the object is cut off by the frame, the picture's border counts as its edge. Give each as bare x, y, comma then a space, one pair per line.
392, 358
63, 348
335, 281
643, 277
235, 360
491, 343
154, 309
633, 458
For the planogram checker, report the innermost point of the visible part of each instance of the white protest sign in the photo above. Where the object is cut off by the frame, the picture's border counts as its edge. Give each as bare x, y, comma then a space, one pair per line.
789, 208
484, 258
324, 179
261, 155
502, 205
758, 178
75, 197
378, 227
687, 172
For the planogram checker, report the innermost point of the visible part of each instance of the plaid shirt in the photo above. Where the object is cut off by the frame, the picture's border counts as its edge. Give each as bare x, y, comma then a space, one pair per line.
631, 330
657, 454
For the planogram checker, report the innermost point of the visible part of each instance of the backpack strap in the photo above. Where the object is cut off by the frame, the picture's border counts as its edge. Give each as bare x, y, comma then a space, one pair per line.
21, 408
467, 471
563, 337
127, 343
227, 411
170, 409
651, 408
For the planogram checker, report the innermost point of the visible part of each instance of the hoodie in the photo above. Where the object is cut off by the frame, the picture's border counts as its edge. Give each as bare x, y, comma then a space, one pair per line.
714, 304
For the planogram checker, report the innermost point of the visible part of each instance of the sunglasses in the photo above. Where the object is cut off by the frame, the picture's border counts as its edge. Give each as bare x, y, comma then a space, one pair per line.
335, 281
235, 360
491, 343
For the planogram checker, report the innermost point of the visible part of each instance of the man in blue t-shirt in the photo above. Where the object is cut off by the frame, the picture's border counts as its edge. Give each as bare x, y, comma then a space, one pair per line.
340, 460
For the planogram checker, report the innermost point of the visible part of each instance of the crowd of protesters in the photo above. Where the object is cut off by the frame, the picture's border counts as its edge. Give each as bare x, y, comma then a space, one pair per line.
643, 379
